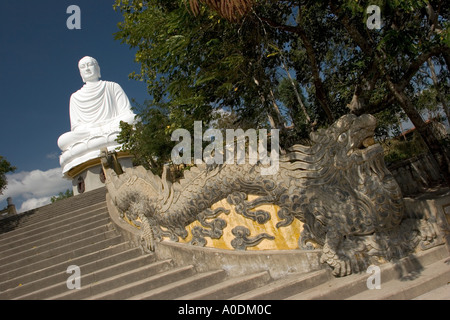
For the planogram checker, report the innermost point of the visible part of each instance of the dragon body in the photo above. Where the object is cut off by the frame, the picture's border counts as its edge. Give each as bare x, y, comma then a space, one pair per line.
339, 187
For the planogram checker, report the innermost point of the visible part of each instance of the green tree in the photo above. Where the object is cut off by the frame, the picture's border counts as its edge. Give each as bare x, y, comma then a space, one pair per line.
5, 167
198, 56
149, 140
394, 56
193, 67
196, 65
413, 32
62, 195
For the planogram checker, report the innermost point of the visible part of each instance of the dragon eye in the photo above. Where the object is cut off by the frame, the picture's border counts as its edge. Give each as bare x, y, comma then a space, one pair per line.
342, 137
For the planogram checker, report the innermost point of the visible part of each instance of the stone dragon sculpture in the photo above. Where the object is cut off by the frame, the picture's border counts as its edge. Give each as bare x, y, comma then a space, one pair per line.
339, 187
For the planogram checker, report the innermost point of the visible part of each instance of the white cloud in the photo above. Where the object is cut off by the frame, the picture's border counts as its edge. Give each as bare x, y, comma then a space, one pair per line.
34, 203
34, 188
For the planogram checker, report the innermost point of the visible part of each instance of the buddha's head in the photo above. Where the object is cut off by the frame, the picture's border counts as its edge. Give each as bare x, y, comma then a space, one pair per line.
89, 69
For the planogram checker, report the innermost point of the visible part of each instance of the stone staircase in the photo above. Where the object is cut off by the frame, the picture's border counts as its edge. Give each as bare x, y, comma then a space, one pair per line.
36, 249
424, 276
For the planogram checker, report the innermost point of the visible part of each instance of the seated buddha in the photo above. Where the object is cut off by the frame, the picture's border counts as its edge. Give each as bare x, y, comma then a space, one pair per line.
96, 111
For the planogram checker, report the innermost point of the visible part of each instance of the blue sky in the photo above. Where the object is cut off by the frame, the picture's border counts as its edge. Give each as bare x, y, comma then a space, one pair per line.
38, 73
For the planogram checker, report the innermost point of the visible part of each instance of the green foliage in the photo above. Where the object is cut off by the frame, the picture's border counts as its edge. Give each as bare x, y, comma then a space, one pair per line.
5, 167
149, 140
399, 152
197, 65
399, 149
194, 63
62, 195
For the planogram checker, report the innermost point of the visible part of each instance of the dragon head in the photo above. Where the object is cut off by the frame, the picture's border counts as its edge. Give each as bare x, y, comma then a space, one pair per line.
350, 140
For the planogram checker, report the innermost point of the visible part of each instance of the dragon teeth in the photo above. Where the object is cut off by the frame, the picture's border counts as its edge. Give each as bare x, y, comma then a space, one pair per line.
368, 142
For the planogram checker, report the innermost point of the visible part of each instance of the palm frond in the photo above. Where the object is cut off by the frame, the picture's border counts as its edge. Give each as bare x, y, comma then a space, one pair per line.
232, 10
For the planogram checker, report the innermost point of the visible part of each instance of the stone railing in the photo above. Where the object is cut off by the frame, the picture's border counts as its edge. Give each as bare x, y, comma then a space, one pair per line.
417, 174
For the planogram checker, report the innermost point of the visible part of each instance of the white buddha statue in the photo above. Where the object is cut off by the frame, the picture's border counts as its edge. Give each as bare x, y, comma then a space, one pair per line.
96, 111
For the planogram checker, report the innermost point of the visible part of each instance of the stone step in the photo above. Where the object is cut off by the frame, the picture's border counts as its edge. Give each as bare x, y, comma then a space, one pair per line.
178, 288
50, 211
63, 233
17, 268
126, 288
99, 259
64, 246
116, 276
229, 288
345, 287
411, 286
65, 243
285, 287
40, 230
43, 224
90, 273
441, 293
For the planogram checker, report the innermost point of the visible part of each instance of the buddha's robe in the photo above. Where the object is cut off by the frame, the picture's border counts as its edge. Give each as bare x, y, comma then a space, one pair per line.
96, 109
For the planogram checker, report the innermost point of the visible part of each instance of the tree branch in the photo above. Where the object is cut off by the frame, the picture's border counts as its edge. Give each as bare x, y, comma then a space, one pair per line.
318, 84
415, 65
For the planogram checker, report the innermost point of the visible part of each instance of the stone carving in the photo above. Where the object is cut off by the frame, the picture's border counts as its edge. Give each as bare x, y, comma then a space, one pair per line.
339, 187
135, 205
95, 114
215, 227
243, 239
243, 207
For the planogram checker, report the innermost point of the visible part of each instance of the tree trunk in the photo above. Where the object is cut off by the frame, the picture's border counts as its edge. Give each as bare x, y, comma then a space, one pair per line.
318, 84
297, 94
441, 97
